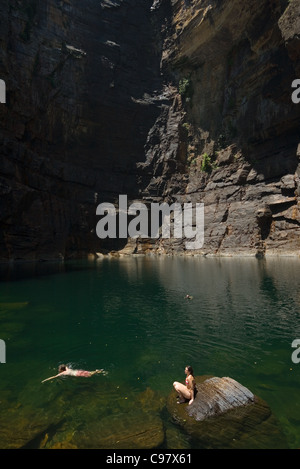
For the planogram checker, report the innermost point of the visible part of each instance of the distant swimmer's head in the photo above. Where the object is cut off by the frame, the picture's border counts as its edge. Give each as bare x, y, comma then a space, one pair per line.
62, 368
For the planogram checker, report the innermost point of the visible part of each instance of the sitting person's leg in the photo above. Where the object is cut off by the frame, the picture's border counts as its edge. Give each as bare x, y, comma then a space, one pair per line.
182, 391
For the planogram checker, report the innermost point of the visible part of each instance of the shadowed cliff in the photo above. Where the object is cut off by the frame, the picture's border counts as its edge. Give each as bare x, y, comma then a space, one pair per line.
81, 83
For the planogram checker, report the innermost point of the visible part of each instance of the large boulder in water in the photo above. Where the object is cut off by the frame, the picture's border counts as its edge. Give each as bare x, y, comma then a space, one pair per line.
216, 396
225, 414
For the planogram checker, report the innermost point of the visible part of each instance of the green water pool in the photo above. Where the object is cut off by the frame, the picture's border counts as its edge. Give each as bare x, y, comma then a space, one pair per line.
130, 317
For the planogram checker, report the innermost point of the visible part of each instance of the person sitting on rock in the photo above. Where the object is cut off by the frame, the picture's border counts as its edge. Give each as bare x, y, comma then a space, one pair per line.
188, 391
64, 370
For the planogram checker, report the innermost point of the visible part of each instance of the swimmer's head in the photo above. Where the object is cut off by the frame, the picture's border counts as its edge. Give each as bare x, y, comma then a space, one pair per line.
62, 368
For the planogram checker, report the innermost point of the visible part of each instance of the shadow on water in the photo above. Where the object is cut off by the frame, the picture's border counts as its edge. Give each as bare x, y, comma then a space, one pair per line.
11, 272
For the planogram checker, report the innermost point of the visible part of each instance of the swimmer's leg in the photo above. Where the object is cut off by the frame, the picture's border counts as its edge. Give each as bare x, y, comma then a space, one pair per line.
98, 372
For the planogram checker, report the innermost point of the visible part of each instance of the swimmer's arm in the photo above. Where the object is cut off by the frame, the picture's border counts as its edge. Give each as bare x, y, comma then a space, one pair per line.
52, 377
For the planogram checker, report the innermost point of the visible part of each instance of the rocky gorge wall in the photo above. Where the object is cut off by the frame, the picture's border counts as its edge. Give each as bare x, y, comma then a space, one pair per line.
75, 121
186, 101
239, 129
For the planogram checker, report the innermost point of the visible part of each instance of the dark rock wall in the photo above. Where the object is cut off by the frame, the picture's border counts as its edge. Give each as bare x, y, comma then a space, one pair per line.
125, 97
80, 77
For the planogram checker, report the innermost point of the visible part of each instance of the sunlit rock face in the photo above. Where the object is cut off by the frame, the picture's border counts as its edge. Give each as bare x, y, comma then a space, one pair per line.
186, 101
235, 63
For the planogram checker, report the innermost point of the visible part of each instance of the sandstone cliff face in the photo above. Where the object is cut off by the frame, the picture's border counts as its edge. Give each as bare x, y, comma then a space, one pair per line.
235, 63
164, 101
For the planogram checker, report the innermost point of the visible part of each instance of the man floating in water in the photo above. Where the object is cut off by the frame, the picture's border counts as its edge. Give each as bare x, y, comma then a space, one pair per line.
64, 370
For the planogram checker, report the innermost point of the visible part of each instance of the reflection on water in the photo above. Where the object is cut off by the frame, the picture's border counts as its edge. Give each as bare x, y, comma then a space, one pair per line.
130, 316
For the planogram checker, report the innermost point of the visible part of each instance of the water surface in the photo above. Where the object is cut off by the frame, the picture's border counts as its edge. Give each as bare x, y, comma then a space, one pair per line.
130, 317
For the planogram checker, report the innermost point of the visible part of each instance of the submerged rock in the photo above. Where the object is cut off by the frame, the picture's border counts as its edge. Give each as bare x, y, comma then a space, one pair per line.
225, 414
136, 430
23, 427
112, 420
8, 307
